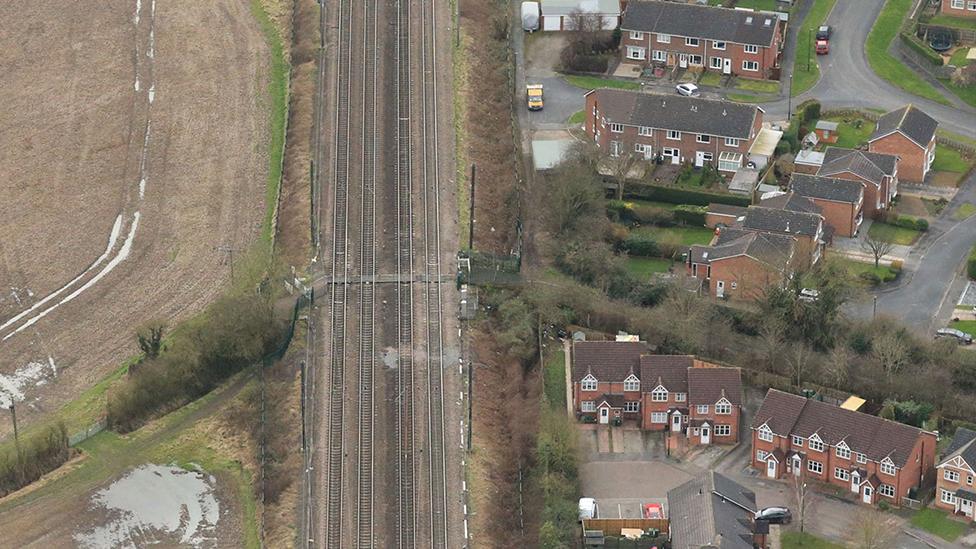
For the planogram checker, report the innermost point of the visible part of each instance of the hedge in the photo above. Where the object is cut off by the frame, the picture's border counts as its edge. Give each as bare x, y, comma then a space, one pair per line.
971, 264
930, 55
909, 222
809, 110
640, 244
690, 215
674, 195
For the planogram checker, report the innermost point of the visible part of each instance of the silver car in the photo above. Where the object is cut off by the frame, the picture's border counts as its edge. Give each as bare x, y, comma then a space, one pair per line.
958, 335
688, 89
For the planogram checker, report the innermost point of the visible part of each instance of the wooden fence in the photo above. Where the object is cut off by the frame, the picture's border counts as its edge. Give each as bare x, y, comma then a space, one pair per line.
966, 36
612, 526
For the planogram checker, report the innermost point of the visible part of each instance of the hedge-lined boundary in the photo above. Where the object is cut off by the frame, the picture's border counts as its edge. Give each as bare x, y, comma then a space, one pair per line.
673, 195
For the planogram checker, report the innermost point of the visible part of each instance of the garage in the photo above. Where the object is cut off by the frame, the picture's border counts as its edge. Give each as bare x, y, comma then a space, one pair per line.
563, 14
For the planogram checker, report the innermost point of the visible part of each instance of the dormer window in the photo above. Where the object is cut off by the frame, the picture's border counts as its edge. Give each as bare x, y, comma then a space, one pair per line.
589, 383
887, 467
632, 383
723, 407
843, 451
765, 434
815, 444
659, 394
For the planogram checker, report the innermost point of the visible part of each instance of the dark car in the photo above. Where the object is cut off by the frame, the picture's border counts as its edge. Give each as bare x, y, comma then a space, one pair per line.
775, 515
958, 335
823, 32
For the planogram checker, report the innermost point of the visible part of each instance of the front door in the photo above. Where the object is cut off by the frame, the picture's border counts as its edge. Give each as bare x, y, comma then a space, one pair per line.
706, 434
683, 60
855, 483
648, 152
868, 492
604, 415
966, 507
676, 422
797, 466
699, 159
771, 469
727, 66
720, 288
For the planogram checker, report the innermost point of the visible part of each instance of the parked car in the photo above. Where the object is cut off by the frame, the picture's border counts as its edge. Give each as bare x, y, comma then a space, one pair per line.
688, 89
653, 511
823, 47
809, 294
775, 515
958, 335
588, 509
824, 32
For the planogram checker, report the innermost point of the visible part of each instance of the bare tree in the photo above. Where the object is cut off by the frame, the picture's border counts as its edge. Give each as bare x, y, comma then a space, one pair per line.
772, 339
891, 351
800, 498
872, 530
877, 247
800, 358
620, 167
836, 369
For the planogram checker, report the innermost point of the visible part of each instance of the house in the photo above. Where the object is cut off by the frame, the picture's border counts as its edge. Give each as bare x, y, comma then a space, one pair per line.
741, 264
791, 215
711, 507
909, 134
692, 399
840, 201
875, 458
959, 8
676, 128
878, 172
732, 42
568, 14
954, 490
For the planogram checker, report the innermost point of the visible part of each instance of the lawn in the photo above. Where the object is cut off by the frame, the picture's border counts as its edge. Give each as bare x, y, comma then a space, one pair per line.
851, 133
936, 522
686, 235
792, 540
743, 98
554, 383
646, 266
758, 86
885, 29
965, 210
593, 82
712, 79
860, 270
948, 159
804, 75
577, 118
959, 57
898, 235
950, 21
966, 93
968, 326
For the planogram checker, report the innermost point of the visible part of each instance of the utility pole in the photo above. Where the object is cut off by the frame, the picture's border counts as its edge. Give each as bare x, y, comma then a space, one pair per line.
229, 252
13, 415
874, 314
789, 100
471, 210
809, 41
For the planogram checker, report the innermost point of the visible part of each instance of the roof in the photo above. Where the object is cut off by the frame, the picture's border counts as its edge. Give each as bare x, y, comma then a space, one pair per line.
791, 201
765, 143
668, 370
713, 23
827, 125
853, 403
726, 209
709, 385
744, 181
825, 188
567, 7
877, 438
607, 360
761, 218
870, 166
910, 121
614, 400
711, 510
771, 249
966, 494
549, 153
677, 112
962, 445
809, 157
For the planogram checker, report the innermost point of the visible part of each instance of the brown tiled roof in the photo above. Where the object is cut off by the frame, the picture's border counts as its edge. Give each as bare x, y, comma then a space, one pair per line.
909, 120
607, 360
706, 385
872, 436
726, 209
614, 400
671, 370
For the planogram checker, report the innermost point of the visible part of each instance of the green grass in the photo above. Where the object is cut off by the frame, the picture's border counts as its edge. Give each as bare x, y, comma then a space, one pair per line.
968, 326
593, 82
652, 204
860, 269
966, 93
765, 5
959, 57
577, 118
884, 65
950, 21
743, 98
712, 79
554, 381
936, 522
850, 136
793, 540
686, 235
956, 137
948, 159
898, 235
758, 86
964, 211
646, 266
804, 75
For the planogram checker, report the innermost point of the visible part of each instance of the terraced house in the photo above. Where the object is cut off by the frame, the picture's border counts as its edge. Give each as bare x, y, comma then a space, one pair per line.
675, 128
955, 491
959, 8
692, 399
873, 458
731, 42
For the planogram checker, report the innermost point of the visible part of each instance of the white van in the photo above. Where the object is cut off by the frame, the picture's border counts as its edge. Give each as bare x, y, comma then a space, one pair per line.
588, 509
530, 16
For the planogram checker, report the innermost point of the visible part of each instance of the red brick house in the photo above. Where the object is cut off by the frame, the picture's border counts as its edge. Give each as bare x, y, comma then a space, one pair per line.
733, 42
791, 215
675, 128
840, 201
959, 8
875, 458
909, 134
741, 264
876, 171
676, 393
955, 474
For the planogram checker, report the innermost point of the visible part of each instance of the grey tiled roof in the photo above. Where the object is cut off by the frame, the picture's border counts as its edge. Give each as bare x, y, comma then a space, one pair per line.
909, 120
676, 112
713, 23
670, 370
791, 201
774, 250
963, 444
607, 360
760, 218
711, 510
709, 385
726, 209
825, 188
870, 166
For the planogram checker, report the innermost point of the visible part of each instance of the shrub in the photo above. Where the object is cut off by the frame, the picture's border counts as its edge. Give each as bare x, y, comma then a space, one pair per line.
921, 224
883, 505
641, 244
897, 264
690, 215
673, 195
41, 453
809, 110
871, 277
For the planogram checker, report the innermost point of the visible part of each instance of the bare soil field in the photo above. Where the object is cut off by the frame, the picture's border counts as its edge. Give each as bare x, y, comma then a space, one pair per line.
132, 145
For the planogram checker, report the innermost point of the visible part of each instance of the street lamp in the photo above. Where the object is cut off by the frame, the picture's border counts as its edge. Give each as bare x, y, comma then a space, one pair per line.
789, 99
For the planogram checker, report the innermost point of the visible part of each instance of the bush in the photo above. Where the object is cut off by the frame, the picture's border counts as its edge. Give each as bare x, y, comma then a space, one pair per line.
41, 453
913, 42
897, 264
673, 195
641, 244
921, 224
971, 264
690, 215
809, 111
871, 277
907, 222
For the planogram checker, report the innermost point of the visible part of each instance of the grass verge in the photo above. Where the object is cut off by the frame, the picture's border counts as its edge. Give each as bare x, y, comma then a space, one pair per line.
965, 210
936, 522
792, 540
758, 86
885, 29
899, 235
460, 107
646, 266
806, 74
950, 21
555, 377
948, 159
593, 82
577, 118
968, 326
743, 98
867, 273
712, 79
966, 93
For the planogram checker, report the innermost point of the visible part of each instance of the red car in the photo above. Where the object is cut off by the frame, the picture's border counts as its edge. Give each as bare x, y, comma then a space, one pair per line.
653, 511
823, 47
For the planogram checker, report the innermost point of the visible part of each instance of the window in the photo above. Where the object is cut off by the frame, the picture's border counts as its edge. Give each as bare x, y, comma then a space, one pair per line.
640, 148
588, 406
765, 434
644, 130
634, 52
815, 444
667, 151
861, 458
750, 48
951, 476
718, 45
723, 430
659, 417
969, 480
674, 135
696, 60
680, 397
715, 62
616, 128
723, 408
660, 55
702, 138
888, 468
659, 394
632, 406
972, 6
731, 142
797, 441
636, 35
632, 383
616, 147
761, 455
664, 38
589, 383
815, 467
702, 408
691, 42
958, 4
708, 157
948, 497
750, 66
887, 490
843, 452
841, 474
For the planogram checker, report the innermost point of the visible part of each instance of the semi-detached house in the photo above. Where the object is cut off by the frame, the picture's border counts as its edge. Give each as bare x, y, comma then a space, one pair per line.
678, 129
959, 8
955, 491
732, 42
841, 202
909, 134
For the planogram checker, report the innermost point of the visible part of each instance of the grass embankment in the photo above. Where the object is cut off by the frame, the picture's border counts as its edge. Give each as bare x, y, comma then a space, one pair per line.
950, 21
743, 98
899, 235
685, 235
885, 30
593, 82
795, 540
805, 74
646, 266
936, 522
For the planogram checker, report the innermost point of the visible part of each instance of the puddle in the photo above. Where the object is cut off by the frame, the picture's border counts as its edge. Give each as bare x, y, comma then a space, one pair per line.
390, 357
34, 374
156, 504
